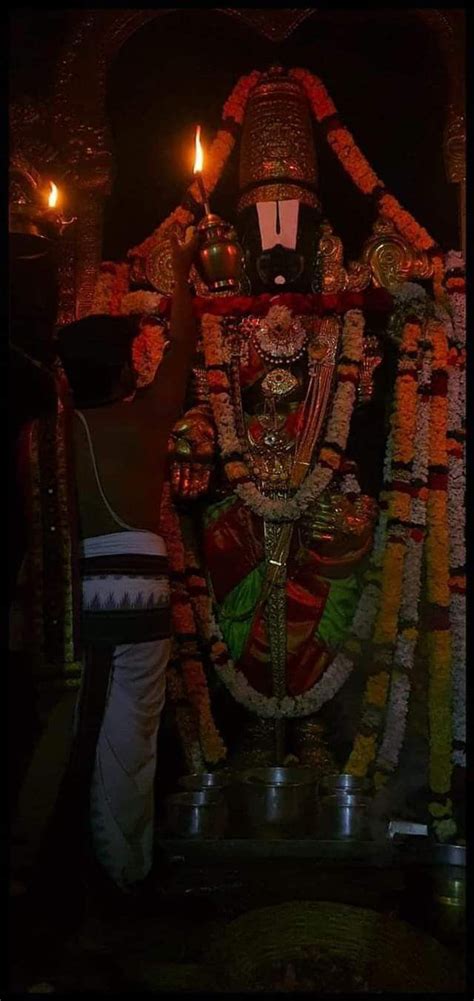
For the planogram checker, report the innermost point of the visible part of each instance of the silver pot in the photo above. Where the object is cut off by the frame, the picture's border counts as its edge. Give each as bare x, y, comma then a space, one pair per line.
343, 783
277, 802
196, 814
448, 887
435, 880
204, 780
344, 815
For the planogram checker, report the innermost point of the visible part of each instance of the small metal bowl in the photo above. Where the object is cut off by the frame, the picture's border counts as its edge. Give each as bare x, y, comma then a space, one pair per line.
204, 780
196, 814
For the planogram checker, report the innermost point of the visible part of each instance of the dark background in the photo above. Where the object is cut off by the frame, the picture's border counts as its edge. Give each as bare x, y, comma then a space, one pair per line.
383, 69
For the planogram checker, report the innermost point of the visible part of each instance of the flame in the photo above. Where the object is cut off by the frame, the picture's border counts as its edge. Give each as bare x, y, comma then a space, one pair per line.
53, 196
198, 159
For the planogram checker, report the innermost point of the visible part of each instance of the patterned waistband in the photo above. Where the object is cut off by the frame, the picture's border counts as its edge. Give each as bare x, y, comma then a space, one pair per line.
125, 588
139, 554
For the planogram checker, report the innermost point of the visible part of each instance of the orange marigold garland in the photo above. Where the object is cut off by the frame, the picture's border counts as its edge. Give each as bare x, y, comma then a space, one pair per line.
147, 351
408, 624
112, 285
357, 166
194, 683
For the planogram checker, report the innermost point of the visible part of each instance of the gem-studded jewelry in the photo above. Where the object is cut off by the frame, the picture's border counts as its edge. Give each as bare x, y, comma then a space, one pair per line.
279, 338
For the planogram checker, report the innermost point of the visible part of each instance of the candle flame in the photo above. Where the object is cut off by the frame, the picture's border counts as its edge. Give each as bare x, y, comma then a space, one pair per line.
198, 159
53, 196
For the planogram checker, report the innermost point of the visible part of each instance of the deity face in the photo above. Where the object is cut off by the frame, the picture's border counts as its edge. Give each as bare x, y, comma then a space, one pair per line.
280, 241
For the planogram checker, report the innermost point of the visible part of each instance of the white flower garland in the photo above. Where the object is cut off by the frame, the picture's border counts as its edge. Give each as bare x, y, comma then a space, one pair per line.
338, 671
140, 302
217, 357
216, 354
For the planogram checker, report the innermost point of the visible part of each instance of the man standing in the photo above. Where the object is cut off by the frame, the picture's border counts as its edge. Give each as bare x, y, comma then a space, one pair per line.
116, 455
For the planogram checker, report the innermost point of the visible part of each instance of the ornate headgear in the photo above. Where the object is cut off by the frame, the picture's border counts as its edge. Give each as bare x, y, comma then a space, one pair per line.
277, 153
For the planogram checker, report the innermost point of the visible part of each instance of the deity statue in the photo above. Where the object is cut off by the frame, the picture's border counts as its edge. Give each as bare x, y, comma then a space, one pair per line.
280, 518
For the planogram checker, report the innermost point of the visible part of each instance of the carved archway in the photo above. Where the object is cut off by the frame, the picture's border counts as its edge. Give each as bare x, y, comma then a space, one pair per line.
80, 126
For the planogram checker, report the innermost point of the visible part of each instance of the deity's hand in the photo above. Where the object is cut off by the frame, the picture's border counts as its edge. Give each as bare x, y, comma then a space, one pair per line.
192, 449
338, 532
183, 254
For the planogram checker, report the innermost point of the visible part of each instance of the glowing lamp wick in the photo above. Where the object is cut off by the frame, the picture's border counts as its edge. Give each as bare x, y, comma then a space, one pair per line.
198, 165
53, 196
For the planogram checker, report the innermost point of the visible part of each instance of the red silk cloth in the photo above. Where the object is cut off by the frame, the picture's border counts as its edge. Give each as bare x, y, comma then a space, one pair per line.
233, 547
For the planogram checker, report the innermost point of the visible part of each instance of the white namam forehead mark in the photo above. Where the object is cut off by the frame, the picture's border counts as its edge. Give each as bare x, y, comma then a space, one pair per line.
288, 223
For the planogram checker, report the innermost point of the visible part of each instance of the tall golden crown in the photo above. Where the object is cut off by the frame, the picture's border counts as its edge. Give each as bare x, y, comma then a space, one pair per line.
277, 153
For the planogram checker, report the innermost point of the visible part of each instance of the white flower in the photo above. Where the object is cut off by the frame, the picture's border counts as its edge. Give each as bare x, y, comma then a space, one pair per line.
140, 302
409, 292
395, 723
350, 484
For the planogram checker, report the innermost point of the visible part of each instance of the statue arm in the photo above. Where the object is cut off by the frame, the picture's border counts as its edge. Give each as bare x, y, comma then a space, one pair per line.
193, 443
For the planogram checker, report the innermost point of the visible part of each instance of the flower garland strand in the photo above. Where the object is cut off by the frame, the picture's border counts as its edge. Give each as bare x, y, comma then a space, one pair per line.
338, 672
398, 503
359, 170
148, 349
194, 684
217, 356
335, 675
111, 284
405, 648
438, 595
455, 286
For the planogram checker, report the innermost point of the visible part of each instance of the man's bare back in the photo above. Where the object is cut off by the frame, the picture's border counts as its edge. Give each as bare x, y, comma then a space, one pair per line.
130, 453
129, 440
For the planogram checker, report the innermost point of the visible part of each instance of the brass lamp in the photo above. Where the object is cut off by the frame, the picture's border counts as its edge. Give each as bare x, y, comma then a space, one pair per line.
220, 256
34, 216
219, 260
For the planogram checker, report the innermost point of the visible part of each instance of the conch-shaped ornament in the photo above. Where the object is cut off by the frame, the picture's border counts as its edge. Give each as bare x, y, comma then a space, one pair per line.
331, 275
391, 259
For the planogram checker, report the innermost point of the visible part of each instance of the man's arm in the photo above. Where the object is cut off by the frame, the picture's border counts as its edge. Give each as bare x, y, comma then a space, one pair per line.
166, 395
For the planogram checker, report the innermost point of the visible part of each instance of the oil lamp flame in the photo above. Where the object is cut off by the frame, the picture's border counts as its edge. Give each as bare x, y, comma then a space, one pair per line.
53, 196
198, 158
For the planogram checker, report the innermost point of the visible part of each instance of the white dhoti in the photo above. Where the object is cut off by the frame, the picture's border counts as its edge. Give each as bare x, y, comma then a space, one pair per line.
125, 591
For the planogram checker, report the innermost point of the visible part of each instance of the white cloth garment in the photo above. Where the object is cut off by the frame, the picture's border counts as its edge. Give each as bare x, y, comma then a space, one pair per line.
122, 788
